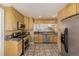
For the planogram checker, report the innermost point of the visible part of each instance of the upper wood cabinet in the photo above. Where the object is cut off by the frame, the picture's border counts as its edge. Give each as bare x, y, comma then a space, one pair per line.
28, 21
67, 11
44, 21
30, 24
77, 7
8, 18
11, 17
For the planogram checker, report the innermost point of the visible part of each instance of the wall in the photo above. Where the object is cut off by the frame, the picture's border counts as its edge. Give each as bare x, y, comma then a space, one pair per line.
1, 31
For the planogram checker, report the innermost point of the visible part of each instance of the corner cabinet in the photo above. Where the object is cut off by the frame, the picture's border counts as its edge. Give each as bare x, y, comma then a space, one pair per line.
67, 11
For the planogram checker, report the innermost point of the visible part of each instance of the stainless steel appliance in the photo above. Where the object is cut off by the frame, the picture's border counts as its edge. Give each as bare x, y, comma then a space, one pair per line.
70, 29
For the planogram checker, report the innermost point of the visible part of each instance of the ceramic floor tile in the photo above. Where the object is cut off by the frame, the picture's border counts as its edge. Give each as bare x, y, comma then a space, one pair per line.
42, 50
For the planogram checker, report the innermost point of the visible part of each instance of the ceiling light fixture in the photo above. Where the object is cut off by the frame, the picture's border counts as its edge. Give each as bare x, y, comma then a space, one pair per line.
39, 16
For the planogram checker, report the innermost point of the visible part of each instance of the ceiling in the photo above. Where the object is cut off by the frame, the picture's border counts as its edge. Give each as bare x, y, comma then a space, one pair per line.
39, 10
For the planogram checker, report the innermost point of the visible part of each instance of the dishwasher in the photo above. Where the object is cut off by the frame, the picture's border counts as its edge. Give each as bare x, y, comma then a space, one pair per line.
46, 38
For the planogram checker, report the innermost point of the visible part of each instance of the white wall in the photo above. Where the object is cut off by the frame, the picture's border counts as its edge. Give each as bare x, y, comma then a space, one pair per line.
1, 31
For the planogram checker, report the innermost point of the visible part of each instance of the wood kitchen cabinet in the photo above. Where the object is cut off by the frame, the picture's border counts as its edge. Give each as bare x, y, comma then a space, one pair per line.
71, 9
51, 38
40, 36
67, 11
12, 48
77, 7
36, 38
8, 18
30, 24
28, 21
11, 18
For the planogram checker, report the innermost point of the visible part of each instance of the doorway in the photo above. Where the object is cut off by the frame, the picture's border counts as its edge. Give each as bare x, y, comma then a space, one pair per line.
1, 31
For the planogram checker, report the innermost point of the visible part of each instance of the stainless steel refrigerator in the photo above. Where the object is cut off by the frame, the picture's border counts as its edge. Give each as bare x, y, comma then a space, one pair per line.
72, 25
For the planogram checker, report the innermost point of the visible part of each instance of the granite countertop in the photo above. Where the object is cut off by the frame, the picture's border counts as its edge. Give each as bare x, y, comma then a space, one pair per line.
13, 39
49, 33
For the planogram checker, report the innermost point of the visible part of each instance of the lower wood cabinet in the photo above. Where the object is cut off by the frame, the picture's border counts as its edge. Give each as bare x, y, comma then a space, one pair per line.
53, 38
41, 38
36, 38
12, 48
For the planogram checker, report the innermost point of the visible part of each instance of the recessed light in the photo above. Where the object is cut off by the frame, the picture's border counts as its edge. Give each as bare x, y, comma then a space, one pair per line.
39, 16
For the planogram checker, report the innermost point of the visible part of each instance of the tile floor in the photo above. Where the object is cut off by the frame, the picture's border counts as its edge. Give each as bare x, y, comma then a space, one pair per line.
42, 50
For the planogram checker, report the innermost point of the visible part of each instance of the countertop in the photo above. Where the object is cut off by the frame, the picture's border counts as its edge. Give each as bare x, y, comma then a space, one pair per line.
48, 33
14, 39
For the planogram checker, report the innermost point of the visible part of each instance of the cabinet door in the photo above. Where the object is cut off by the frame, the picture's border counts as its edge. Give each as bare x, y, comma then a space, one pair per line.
16, 17
55, 39
36, 38
71, 9
67, 11
40, 38
19, 49
77, 7
30, 24
11, 18
8, 19
26, 22
11, 48
51, 38
61, 14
